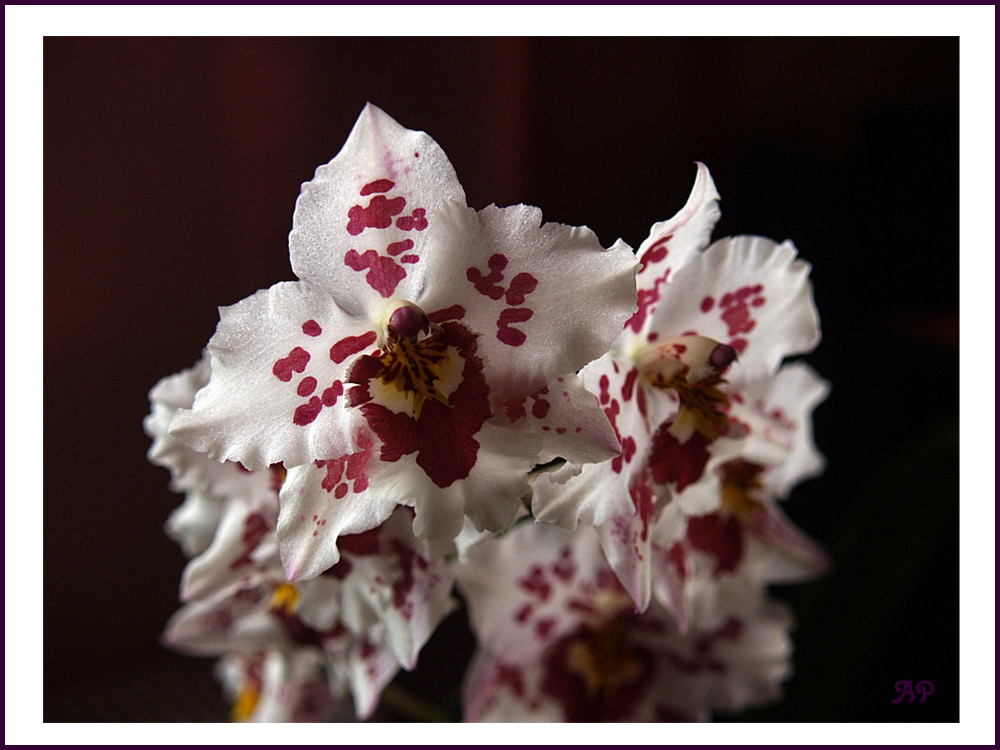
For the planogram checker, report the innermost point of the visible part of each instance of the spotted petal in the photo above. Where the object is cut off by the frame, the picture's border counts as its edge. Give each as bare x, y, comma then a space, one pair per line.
786, 402
571, 422
530, 290
594, 493
364, 224
407, 585
673, 243
520, 587
190, 471
368, 668
278, 362
357, 492
226, 621
294, 688
243, 552
750, 293
599, 660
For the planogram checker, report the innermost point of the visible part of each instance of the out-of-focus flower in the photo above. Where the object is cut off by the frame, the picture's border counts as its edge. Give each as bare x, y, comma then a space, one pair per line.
290, 650
713, 325
361, 620
207, 485
279, 686
560, 640
395, 372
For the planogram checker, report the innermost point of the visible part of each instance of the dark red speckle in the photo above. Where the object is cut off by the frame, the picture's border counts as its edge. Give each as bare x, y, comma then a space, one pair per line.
735, 308
629, 383
376, 215
306, 386
331, 394
351, 345
540, 408
656, 252
535, 583
378, 186
307, 412
544, 627
395, 248
505, 332
417, 220
520, 287
604, 384
296, 361
311, 328
564, 568
384, 274
487, 285
455, 312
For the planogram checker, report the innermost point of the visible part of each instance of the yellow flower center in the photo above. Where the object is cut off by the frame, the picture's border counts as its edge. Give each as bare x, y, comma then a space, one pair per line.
414, 369
285, 598
604, 659
741, 485
245, 703
416, 364
691, 367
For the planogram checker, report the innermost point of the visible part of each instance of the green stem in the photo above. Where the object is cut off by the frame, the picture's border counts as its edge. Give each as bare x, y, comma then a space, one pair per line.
401, 701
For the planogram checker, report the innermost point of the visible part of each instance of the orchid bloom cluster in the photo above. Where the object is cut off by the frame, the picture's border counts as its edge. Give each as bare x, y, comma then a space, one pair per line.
588, 444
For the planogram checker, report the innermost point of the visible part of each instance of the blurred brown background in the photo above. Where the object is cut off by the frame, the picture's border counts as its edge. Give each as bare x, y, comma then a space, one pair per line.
171, 170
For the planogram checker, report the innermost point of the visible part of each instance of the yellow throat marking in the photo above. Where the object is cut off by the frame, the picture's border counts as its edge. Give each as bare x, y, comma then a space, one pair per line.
415, 369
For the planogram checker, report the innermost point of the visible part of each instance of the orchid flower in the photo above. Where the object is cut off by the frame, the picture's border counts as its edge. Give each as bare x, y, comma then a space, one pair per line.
747, 541
710, 324
208, 485
279, 686
395, 372
367, 617
560, 640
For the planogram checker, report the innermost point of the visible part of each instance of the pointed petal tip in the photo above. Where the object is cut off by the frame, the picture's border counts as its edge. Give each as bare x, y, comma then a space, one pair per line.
168, 639
293, 573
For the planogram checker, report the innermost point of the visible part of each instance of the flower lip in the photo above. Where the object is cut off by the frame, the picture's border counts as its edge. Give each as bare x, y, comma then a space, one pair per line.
692, 367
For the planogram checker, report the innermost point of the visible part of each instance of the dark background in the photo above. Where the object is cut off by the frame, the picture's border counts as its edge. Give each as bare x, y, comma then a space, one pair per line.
171, 171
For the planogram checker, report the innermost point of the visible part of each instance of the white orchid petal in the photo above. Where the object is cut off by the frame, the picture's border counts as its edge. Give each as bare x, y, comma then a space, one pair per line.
530, 290
194, 522
278, 370
364, 225
409, 592
673, 243
519, 586
645, 668
243, 529
495, 691
595, 493
570, 421
750, 293
369, 669
321, 503
792, 396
